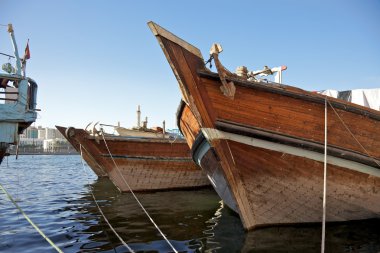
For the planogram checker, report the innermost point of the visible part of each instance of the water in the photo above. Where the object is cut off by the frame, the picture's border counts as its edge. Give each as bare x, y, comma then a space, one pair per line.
55, 192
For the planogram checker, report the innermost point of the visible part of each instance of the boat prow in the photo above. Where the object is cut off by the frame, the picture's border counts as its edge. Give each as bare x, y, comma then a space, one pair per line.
261, 143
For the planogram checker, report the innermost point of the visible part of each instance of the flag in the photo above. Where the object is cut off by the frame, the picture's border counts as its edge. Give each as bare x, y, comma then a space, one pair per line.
27, 52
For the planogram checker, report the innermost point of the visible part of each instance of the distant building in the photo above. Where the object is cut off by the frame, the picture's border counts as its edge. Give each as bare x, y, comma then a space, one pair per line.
31, 132
50, 133
30, 142
43, 140
41, 134
56, 145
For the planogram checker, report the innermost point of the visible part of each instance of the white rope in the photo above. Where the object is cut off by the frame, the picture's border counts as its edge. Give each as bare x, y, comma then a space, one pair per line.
324, 185
100, 210
30, 221
133, 194
353, 136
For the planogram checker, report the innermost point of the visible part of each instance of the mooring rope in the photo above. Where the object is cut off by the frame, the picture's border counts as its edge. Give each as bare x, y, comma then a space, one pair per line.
30, 221
100, 210
133, 194
171, 142
353, 136
324, 185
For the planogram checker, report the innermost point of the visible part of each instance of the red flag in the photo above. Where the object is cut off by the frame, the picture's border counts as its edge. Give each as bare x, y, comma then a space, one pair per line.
27, 52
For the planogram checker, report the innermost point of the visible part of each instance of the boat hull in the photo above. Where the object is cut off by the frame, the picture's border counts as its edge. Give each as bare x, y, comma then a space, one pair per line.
262, 144
98, 169
142, 164
280, 188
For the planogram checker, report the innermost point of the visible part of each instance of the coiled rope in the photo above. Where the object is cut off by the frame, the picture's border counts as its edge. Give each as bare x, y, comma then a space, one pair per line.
133, 194
30, 221
100, 210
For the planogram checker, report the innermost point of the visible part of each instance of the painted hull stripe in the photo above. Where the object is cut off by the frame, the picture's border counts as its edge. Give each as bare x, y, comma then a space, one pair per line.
214, 134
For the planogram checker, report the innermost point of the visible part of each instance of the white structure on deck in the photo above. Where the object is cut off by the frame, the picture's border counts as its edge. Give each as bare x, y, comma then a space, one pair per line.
365, 97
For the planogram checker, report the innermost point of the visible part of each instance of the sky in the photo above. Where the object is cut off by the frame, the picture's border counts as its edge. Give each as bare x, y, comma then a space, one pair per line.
98, 60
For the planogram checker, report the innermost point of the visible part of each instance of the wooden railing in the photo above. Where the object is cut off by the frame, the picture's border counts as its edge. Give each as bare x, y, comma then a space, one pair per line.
9, 93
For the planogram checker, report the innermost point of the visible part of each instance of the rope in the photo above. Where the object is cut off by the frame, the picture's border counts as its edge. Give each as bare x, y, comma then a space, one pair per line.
100, 210
325, 168
176, 136
133, 194
353, 136
30, 221
324, 185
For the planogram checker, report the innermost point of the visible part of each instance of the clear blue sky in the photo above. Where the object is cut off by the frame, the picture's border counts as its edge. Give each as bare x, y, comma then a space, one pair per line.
97, 60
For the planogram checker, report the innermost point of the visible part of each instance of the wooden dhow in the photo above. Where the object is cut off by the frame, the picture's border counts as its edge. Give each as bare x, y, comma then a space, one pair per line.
262, 143
18, 98
98, 169
138, 163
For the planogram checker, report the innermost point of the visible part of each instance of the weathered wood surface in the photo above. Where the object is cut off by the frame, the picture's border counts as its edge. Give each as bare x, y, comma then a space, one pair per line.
295, 117
282, 179
188, 124
254, 106
144, 164
282, 188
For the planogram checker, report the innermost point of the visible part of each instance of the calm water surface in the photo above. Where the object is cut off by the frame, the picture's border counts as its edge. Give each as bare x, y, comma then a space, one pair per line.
55, 192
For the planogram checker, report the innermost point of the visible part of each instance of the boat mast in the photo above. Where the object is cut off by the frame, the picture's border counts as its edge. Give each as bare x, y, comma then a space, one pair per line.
18, 60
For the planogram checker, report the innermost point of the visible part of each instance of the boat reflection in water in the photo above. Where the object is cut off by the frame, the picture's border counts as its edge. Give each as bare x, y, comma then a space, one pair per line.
197, 221
181, 215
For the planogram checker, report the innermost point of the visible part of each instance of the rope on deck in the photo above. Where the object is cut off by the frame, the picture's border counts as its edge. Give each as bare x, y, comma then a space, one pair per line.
100, 210
30, 221
133, 194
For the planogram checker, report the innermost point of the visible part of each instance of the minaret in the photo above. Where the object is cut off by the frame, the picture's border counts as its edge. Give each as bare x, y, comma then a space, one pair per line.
163, 129
138, 116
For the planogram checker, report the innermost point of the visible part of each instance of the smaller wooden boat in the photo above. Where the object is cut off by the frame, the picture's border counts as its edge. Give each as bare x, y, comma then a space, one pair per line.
140, 163
18, 95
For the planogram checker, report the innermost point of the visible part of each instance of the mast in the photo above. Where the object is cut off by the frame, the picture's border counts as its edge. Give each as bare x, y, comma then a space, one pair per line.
18, 61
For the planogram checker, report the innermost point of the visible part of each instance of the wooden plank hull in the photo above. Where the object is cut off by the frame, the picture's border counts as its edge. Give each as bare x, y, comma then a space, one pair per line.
261, 144
281, 188
99, 170
142, 164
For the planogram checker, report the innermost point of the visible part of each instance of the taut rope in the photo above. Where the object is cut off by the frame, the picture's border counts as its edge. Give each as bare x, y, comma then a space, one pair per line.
353, 136
324, 185
133, 194
100, 210
30, 221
